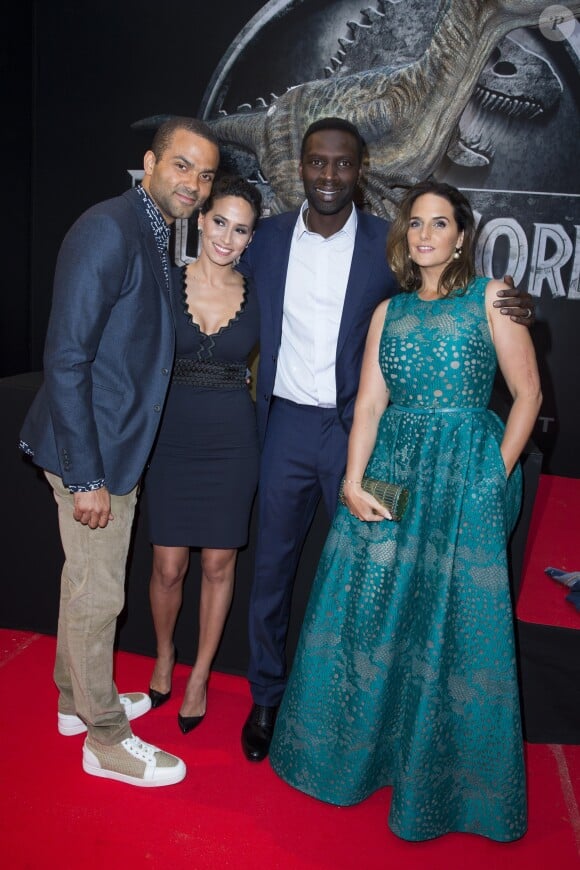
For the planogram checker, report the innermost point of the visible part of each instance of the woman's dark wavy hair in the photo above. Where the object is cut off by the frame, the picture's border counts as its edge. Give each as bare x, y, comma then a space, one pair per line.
457, 275
234, 185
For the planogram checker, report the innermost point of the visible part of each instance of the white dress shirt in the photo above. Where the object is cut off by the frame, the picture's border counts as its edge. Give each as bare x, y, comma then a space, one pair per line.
318, 271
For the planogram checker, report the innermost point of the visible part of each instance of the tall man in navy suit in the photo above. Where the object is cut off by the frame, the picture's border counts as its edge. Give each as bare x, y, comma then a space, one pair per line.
320, 272
107, 366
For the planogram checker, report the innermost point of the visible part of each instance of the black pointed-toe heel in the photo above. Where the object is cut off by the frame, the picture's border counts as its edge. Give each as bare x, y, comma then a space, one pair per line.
158, 698
188, 723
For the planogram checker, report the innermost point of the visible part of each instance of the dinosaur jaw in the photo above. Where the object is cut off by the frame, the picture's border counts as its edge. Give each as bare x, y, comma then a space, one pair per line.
486, 122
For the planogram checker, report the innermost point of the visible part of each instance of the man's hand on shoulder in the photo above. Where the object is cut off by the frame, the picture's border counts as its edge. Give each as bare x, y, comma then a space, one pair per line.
520, 306
93, 509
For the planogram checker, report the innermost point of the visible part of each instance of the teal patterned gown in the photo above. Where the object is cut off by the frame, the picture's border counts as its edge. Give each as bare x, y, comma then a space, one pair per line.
405, 672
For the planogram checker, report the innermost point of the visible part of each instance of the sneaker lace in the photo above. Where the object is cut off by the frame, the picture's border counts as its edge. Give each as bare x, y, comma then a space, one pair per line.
138, 749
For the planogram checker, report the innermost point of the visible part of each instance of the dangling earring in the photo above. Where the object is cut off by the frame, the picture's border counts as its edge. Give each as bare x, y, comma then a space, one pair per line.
458, 253
237, 260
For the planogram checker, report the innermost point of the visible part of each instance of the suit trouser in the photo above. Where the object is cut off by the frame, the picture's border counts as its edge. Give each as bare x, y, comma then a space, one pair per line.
92, 595
303, 458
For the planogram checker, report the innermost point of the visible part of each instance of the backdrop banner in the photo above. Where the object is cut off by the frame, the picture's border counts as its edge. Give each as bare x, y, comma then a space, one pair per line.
435, 89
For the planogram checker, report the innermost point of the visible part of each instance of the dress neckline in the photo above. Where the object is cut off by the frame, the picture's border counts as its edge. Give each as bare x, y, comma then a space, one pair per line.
225, 326
455, 295
428, 301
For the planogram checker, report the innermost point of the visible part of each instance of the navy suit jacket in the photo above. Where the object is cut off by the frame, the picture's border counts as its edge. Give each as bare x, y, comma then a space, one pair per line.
109, 351
370, 282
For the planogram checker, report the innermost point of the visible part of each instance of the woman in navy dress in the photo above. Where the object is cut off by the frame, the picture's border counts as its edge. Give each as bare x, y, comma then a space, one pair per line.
203, 473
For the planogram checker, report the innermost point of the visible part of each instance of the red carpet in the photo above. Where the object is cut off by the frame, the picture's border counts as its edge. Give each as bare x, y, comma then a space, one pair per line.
227, 813
553, 541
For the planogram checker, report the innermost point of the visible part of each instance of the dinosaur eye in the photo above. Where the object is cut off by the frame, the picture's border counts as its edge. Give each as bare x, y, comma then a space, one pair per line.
505, 68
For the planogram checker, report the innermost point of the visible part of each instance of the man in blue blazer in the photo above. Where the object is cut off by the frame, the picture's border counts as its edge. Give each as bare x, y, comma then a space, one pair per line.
107, 367
319, 272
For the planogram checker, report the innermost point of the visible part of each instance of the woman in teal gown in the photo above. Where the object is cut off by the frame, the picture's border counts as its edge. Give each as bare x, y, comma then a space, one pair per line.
405, 672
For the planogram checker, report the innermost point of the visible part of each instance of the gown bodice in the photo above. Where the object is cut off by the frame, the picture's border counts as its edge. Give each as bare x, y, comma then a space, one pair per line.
438, 354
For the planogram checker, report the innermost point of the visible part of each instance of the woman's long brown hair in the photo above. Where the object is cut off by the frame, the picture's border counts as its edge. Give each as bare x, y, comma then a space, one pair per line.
457, 274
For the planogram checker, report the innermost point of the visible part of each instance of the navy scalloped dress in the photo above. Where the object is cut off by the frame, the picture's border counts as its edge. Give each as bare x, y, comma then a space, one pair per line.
405, 672
203, 472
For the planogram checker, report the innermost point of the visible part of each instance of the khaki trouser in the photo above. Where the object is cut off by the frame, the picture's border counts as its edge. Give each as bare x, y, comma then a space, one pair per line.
91, 597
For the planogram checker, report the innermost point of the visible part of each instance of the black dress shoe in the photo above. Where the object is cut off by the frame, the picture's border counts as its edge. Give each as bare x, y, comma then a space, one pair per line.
158, 698
188, 723
258, 731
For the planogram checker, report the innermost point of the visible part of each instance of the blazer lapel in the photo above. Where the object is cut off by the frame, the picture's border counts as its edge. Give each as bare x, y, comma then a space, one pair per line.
359, 275
273, 299
149, 240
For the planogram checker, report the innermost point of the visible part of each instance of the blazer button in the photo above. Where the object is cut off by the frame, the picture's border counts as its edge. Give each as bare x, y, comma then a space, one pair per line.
164, 371
156, 408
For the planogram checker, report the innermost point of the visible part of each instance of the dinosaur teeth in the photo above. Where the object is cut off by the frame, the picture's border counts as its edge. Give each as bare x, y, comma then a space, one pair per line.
485, 121
513, 107
344, 43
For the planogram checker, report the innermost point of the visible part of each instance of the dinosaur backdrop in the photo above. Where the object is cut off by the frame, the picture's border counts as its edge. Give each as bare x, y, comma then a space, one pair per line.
481, 94
473, 91
80, 75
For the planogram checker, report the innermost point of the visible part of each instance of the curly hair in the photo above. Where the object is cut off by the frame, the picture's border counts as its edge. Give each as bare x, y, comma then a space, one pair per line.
458, 273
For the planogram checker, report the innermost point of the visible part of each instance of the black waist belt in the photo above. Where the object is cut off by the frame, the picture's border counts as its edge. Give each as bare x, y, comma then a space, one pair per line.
212, 375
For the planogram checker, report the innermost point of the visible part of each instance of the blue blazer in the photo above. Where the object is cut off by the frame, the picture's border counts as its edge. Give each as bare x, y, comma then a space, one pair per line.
109, 351
370, 281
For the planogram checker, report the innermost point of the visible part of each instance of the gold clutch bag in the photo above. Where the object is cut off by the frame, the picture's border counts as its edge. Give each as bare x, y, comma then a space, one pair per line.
391, 495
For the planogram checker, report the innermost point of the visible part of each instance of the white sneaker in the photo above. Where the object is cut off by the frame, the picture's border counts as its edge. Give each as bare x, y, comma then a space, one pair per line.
135, 703
133, 762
